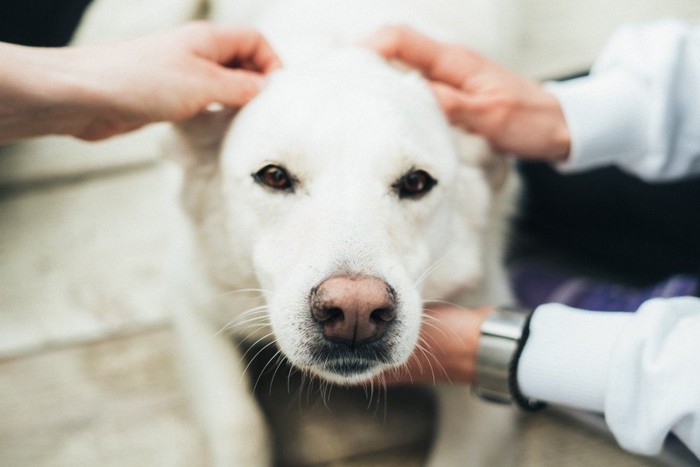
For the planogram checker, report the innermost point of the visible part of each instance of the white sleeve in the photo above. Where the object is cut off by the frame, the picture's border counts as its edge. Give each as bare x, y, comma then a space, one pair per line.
639, 109
641, 370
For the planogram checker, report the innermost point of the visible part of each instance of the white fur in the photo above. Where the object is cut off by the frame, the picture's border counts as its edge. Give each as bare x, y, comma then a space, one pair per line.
346, 126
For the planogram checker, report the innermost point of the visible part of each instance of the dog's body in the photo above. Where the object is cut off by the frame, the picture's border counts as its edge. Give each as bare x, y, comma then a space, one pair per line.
341, 200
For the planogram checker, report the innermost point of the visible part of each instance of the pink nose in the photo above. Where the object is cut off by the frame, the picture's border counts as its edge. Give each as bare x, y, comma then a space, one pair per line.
353, 309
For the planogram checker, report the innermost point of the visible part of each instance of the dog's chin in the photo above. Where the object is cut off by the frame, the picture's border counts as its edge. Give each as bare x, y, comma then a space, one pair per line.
348, 372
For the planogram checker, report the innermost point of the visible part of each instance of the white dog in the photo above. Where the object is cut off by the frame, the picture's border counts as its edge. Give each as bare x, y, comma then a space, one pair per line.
344, 197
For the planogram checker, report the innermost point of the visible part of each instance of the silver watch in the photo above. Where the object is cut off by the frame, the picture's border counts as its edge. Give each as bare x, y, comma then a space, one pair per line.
500, 338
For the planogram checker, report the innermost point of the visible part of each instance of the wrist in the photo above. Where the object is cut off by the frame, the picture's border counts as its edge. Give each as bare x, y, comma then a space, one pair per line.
503, 335
454, 344
560, 137
460, 362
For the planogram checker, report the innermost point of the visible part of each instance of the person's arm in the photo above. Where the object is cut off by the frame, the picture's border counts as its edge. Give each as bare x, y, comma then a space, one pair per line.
99, 91
641, 370
447, 350
638, 369
639, 108
516, 115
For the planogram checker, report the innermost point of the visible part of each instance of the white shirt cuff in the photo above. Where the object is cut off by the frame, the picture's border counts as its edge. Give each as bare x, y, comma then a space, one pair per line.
607, 116
568, 356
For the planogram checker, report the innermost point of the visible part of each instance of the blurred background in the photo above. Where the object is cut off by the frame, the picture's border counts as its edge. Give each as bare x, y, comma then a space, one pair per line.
86, 369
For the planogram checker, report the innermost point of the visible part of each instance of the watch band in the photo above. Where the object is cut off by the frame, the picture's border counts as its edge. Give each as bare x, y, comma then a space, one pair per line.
503, 336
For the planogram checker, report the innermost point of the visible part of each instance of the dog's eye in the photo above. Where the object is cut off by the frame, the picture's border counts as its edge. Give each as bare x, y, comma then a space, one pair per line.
275, 177
414, 184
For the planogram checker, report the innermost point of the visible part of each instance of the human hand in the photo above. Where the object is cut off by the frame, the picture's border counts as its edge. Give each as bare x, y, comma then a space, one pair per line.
95, 92
447, 347
513, 113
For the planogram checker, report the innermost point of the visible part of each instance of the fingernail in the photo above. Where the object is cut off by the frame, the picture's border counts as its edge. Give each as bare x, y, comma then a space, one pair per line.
215, 107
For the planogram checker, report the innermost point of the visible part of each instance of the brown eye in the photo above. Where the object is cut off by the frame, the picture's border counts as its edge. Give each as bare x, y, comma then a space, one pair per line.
275, 177
414, 184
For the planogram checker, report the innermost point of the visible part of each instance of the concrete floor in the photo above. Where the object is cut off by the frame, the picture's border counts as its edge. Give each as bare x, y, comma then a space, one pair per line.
86, 367
118, 402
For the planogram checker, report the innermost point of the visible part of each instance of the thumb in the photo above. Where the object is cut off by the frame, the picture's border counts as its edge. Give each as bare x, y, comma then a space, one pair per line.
456, 104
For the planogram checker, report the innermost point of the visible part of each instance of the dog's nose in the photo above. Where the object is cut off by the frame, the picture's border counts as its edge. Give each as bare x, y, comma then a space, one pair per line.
353, 310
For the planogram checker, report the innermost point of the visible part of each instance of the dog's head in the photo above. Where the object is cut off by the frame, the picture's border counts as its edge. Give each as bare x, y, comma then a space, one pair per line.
342, 191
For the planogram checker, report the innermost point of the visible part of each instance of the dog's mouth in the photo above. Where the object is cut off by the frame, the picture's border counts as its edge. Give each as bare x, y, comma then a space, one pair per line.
349, 368
348, 363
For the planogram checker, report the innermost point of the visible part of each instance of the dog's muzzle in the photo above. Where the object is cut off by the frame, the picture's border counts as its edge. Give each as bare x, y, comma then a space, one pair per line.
354, 314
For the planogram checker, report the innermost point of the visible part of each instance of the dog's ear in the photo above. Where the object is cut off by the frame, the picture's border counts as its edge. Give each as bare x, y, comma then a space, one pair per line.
497, 169
197, 141
196, 146
475, 151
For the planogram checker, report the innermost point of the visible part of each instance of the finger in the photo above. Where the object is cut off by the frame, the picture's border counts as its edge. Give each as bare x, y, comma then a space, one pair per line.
237, 87
451, 64
406, 44
245, 45
456, 104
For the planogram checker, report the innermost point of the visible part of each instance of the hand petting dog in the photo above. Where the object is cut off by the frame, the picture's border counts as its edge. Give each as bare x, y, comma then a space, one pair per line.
99, 91
514, 114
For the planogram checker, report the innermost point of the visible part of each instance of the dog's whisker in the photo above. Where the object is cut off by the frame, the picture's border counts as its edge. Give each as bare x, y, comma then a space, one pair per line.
253, 333
254, 326
252, 346
251, 328
245, 370
330, 391
431, 355
444, 302
430, 270
420, 365
386, 398
261, 312
322, 392
261, 293
289, 377
437, 342
260, 374
261, 318
381, 391
407, 372
319, 391
401, 373
371, 394
304, 389
253, 311
309, 388
280, 361
369, 388
420, 347
325, 389
378, 404
441, 329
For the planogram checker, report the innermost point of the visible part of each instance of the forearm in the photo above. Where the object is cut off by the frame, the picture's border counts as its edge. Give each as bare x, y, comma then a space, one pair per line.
636, 368
40, 93
99, 91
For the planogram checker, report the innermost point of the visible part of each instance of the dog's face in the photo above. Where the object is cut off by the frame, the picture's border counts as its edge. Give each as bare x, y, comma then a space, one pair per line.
342, 189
